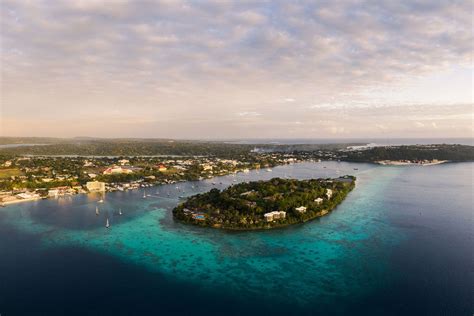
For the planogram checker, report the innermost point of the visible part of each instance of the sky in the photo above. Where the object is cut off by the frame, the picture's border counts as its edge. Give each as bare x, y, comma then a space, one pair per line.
236, 69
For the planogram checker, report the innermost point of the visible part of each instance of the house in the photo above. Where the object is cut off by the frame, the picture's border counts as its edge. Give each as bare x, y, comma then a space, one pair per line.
329, 193
270, 217
7, 163
199, 216
301, 209
53, 193
88, 164
124, 162
117, 170
162, 168
206, 167
318, 200
95, 186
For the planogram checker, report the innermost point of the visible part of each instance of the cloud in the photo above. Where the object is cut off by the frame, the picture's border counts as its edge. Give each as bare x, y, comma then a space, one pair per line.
182, 59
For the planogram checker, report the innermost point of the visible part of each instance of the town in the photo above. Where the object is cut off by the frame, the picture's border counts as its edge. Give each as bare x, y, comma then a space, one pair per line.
28, 178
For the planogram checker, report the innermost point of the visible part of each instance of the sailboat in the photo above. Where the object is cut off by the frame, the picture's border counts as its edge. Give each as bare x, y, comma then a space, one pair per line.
144, 194
120, 211
107, 225
96, 210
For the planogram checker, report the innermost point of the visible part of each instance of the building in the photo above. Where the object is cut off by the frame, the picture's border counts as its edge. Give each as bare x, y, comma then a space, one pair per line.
95, 186
53, 193
318, 200
329, 193
7, 163
162, 168
301, 209
28, 196
207, 167
117, 170
124, 162
88, 164
270, 217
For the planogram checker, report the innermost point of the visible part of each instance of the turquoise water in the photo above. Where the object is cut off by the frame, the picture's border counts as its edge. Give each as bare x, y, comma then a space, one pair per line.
331, 265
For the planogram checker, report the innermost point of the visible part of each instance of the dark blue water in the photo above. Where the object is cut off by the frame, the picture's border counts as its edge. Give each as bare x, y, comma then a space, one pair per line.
401, 244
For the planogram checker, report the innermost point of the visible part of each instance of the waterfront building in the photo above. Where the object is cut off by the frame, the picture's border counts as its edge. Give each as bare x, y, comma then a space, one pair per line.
124, 162
318, 200
95, 186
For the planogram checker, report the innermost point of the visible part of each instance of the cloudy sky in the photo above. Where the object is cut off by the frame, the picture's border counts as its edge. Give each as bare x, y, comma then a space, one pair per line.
243, 69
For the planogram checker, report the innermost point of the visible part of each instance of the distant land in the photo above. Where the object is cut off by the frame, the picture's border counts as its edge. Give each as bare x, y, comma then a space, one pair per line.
349, 150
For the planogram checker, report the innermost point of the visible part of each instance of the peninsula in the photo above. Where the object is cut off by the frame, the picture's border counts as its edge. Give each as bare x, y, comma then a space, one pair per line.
264, 204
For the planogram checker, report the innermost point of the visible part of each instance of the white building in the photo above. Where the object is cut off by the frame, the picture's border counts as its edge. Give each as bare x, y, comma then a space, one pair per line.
117, 170
329, 193
270, 217
318, 200
124, 162
95, 186
301, 209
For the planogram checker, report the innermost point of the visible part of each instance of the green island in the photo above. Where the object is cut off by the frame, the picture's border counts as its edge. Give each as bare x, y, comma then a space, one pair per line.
264, 204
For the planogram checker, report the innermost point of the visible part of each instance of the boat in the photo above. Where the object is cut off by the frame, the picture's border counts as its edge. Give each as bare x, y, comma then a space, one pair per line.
269, 170
96, 210
101, 201
107, 225
120, 211
144, 194
356, 168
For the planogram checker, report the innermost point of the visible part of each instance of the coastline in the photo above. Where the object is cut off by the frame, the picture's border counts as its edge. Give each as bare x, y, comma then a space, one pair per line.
409, 163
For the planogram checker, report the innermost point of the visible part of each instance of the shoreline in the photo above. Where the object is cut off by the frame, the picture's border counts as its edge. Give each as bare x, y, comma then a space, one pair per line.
228, 229
409, 163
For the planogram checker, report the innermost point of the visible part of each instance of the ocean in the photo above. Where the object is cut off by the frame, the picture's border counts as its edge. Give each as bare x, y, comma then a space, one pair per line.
400, 244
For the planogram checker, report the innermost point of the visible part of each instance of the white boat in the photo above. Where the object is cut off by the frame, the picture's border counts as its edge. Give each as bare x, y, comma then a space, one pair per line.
144, 194
96, 210
269, 170
120, 211
107, 225
101, 201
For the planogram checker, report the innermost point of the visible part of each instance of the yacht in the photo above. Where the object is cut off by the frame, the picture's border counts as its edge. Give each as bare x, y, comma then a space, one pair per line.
107, 225
120, 211
101, 201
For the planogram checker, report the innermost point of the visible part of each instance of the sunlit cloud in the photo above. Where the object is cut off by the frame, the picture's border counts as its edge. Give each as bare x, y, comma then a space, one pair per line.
339, 68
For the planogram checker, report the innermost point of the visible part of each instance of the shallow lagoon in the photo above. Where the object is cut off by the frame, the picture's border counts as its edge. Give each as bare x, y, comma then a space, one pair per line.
400, 243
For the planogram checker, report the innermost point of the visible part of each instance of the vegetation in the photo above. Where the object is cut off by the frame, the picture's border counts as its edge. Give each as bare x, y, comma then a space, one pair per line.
243, 206
413, 153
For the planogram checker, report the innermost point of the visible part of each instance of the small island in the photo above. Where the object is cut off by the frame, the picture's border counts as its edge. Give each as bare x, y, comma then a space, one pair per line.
264, 204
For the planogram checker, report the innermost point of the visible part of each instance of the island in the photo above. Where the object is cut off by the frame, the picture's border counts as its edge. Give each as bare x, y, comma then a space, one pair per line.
264, 204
